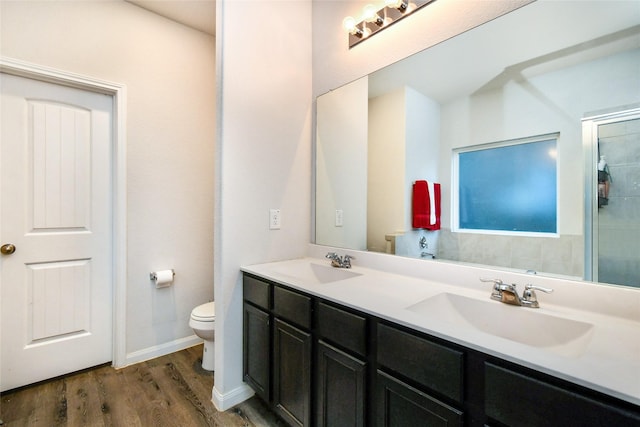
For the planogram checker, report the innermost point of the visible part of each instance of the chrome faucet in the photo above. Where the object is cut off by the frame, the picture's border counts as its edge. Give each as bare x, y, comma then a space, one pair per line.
424, 245
508, 294
338, 261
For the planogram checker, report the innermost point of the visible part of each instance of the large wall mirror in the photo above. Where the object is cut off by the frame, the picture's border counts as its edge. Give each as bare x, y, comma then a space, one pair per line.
567, 70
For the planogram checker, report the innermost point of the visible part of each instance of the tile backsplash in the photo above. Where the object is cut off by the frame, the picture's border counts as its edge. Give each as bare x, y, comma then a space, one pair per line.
563, 255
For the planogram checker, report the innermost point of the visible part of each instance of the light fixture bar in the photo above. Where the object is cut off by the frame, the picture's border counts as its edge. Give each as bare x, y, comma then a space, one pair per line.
375, 21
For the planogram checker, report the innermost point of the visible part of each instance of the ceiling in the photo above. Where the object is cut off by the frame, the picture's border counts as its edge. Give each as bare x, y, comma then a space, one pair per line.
198, 14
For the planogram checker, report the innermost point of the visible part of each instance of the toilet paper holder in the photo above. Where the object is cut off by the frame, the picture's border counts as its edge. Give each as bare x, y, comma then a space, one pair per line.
154, 275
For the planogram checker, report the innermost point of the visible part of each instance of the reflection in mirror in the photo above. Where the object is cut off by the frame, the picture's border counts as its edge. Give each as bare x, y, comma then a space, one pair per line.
378, 135
613, 204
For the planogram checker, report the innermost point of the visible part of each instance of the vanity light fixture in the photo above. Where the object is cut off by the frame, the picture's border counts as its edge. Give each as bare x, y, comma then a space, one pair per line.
377, 19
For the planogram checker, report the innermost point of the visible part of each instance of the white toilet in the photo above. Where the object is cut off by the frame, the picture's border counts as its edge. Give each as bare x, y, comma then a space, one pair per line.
203, 320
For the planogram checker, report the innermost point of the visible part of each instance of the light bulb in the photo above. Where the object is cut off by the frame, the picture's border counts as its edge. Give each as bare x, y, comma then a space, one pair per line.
370, 14
350, 25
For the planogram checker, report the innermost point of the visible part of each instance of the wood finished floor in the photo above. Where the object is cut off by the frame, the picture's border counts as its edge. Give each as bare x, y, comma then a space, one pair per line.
172, 390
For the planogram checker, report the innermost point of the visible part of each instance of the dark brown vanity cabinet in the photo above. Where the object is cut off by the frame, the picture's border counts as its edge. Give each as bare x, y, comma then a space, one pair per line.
434, 371
341, 372
256, 356
292, 356
292, 373
298, 363
514, 398
257, 351
277, 348
318, 363
399, 404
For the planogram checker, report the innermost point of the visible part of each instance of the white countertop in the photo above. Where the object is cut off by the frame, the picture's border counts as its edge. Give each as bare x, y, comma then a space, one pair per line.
608, 359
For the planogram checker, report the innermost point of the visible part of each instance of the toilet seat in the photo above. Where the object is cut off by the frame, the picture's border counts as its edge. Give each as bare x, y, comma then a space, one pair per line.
204, 313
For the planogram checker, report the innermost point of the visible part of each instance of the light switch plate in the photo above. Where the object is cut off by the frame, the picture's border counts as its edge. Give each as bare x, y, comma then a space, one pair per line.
274, 219
339, 217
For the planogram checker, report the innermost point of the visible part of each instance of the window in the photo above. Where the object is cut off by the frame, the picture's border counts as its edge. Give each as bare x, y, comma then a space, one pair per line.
508, 187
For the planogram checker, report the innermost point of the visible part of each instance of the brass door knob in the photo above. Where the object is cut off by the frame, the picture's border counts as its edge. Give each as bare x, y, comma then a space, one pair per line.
7, 249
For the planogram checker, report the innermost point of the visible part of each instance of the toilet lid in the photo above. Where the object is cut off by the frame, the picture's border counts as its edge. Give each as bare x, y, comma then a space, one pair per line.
205, 312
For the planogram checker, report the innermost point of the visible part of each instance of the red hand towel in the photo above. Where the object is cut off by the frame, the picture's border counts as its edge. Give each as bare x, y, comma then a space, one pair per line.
421, 206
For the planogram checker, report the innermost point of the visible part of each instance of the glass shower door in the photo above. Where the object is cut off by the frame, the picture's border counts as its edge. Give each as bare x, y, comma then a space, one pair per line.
614, 199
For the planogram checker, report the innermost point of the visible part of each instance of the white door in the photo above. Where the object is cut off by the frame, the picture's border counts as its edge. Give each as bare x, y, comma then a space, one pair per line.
56, 211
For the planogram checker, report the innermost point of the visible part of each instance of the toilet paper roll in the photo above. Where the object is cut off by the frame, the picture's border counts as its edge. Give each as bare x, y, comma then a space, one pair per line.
163, 278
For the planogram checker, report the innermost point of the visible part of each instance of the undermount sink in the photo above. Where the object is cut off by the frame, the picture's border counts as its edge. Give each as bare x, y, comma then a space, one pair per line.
528, 326
311, 273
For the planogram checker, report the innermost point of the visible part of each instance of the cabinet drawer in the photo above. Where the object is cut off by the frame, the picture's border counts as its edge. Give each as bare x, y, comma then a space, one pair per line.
515, 399
256, 291
343, 328
432, 365
292, 306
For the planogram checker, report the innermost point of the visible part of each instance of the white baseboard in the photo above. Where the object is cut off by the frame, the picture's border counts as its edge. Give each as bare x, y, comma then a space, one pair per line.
228, 400
160, 350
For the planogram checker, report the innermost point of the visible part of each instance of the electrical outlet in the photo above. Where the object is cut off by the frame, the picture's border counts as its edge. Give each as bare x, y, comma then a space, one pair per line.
274, 219
339, 217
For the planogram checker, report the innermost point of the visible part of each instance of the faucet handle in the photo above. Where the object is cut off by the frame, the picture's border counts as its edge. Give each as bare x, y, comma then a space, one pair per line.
529, 297
537, 288
498, 284
346, 260
494, 281
498, 287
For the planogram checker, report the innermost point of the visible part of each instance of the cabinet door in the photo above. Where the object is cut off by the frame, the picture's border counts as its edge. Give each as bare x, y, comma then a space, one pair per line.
399, 404
257, 350
292, 373
340, 388
515, 399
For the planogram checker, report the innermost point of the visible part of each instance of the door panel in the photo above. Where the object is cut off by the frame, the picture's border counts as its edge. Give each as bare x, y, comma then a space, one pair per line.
60, 149
56, 208
60, 295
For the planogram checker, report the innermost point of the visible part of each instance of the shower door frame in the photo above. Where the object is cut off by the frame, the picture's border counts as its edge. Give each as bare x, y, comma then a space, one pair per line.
590, 126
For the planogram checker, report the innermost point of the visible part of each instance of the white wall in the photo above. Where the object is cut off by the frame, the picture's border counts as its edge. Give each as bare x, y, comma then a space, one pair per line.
341, 166
169, 72
423, 148
263, 158
385, 211
404, 140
